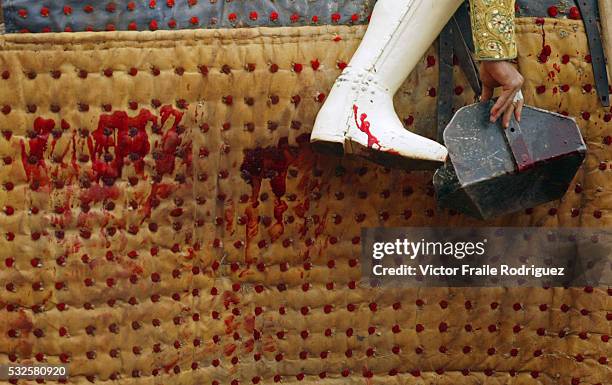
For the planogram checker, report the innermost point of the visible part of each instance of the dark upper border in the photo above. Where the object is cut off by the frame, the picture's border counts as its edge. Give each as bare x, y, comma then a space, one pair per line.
123, 15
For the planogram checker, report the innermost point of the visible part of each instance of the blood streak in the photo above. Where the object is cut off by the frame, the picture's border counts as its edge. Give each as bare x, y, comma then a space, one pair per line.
231, 325
127, 136
166, 151
267, 163
321, 227
33, 160
269, 345
248, 345
170, 365
230, 298
23, 323
249, 323
270, 163
364, 127
251, 223
229, 219
546, 50
280, 206
65, 126
98, 193
229, 349
158, 190
301, 210
120, 139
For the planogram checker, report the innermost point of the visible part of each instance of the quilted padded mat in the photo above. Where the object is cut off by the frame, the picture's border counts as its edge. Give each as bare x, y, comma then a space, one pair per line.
165, 220
76, 15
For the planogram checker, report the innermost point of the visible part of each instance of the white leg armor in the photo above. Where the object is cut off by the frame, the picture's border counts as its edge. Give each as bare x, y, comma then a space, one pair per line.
358, 116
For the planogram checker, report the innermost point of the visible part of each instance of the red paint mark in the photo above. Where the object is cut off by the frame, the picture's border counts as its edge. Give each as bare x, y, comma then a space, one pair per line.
364, 126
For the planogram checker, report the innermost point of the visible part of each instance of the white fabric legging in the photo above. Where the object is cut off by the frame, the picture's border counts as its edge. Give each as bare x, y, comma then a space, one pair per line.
399, 34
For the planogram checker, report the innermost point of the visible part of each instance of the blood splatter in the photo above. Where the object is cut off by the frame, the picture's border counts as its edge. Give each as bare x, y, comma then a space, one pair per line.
364, 126
127, 136
545, 53
33, 159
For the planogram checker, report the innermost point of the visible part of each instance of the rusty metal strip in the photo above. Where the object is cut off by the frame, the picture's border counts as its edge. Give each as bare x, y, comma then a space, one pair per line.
588, 9
445, 95
518, 146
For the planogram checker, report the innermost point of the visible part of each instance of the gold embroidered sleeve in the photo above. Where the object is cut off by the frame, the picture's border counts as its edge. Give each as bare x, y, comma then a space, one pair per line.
493, 29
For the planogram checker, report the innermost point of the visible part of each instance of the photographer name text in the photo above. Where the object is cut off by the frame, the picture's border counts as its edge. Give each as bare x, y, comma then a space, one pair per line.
468, 270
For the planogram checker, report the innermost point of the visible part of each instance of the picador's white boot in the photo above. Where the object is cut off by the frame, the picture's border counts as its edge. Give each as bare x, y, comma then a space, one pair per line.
358, 116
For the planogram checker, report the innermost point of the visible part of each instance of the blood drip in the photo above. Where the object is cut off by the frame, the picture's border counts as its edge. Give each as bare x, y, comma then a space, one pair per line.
270, 163
127, 136
164, 157
33, 160
546, 50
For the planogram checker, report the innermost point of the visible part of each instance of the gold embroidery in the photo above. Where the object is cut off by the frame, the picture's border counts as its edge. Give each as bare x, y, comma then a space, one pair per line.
493, 29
